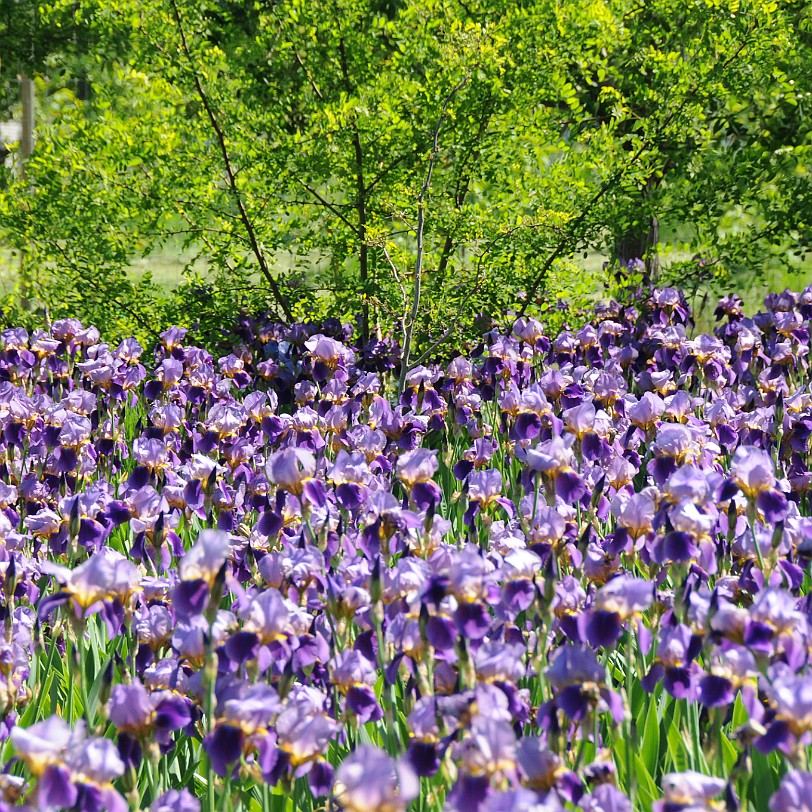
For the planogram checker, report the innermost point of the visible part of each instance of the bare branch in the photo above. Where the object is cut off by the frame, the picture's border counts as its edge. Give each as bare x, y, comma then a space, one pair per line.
308, 74
384, 172
329, 206
396, 274
447, 333
231, 177
421, 223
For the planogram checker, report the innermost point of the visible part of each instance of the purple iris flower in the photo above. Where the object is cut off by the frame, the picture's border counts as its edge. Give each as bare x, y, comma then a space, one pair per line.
580, 684
303, 733
269, 616
792, 714
520, 568
355, 676
175, 800
291, 468
619, 600
488, 748
540, 769
500, 662
71, 769
135, 711
521, 800
794, 794
688, 791
731, 668
484, 490
752, 471
369, 780
105, 576
605, 798
419, 465
206, 557
647, 411
634, 514
677, 649
42, 743
416, 469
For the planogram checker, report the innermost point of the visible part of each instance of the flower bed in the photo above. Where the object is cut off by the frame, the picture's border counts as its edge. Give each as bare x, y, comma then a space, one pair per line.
563, 572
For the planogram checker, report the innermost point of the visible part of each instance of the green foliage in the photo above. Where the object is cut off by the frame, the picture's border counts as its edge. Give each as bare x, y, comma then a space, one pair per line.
287, 144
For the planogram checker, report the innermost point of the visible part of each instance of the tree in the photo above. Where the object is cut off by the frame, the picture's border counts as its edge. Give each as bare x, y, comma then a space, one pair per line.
290, 144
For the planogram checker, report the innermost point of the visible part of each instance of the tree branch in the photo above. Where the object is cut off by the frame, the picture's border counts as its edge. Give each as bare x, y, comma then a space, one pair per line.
329, 206
615, 177
360, 201
230, 174
421, 223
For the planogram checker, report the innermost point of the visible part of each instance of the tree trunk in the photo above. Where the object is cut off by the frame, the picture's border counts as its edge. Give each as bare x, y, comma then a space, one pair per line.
640, 242
637, 244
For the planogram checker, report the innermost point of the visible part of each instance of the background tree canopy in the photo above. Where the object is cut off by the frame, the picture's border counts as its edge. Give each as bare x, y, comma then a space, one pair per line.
416, 165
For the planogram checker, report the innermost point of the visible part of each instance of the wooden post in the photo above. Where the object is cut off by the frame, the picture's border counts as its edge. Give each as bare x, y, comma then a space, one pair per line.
26, 148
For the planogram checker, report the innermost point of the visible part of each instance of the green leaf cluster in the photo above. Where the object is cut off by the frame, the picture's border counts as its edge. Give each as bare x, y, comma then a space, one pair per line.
282, 146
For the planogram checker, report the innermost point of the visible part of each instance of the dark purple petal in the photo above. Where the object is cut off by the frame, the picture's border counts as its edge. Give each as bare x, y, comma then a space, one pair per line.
677, 682
603, 628
661, 468
362, 702
679, 547
426, 495
349, 495
315, 492
715, 692
190, 598
55, 789
241, 646
778, 736
518, 595
528, 427
441, 633
758, 636
423, 757
473, 620
113, 615
573, 702
91, 534
224, 748
129, 750
773, 504
50, 603
468, 792
320, 778
728, 491
172, 714
650, 680
569, 487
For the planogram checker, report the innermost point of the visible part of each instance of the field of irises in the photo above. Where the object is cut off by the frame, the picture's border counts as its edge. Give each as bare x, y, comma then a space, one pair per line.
559, 572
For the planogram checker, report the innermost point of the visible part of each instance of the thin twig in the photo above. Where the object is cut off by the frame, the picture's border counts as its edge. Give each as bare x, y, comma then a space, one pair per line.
396, 274
421, 222
328, 205
447, 333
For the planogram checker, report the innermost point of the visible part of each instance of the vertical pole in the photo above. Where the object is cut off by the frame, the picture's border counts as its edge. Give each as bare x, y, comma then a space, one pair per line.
27, 103
26, 148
